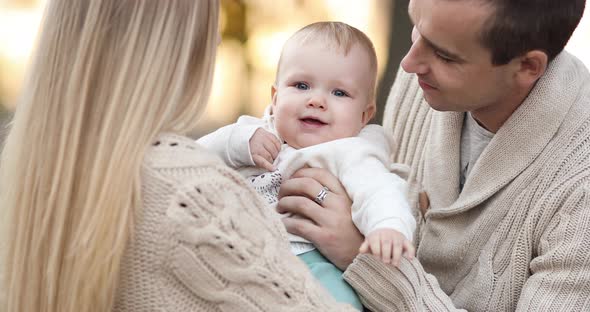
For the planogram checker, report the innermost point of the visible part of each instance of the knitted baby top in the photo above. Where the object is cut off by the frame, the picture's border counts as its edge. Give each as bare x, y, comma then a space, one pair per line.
204, 241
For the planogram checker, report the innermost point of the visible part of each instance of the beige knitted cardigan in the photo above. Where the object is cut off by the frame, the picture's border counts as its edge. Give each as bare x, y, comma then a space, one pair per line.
518, 236
205, 241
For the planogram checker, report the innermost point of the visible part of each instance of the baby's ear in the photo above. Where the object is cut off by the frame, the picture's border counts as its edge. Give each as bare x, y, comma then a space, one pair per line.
273, 96
369, 113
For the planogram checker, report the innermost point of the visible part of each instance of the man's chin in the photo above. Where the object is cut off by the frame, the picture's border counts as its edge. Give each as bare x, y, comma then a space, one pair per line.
441, 108
438, 106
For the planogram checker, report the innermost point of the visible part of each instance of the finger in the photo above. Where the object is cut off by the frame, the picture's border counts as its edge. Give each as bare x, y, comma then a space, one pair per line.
302, 227
322, 176
270, 148
397, 253
262, 162
375, 246
410, 251
364, 247
302, 207
386, 250
277, 143
273, 145
266, 155
307, 187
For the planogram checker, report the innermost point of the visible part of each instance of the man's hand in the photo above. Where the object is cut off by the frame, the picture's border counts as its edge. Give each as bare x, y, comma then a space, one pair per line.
264, 147
329, 225
388, 245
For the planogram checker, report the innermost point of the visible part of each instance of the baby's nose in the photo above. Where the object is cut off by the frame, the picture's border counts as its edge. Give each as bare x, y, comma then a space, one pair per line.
317, 101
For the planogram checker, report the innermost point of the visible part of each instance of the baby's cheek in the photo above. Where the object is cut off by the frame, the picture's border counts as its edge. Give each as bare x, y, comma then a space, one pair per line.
352, 129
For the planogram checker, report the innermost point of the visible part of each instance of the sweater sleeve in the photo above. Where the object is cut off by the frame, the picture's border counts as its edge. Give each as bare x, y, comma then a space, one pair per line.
232, 142
385, 288
378, 195
560, 277
230, 250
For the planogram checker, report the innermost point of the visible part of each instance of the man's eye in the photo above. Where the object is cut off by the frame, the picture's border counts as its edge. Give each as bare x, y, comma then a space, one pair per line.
444, 58
339, 93
301, 86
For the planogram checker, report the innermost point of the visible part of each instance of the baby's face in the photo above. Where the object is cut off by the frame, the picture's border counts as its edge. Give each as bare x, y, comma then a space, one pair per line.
321, 94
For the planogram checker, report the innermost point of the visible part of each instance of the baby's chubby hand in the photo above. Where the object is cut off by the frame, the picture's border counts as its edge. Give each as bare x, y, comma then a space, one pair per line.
264, 148
388, 245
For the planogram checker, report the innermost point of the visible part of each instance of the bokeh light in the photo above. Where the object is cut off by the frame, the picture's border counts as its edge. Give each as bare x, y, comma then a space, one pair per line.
254, 32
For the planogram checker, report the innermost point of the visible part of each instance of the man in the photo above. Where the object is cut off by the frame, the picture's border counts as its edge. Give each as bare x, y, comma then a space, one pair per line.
501, 147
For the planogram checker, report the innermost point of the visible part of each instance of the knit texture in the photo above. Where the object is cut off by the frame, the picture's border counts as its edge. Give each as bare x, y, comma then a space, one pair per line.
517, 237
204, 241
3, 248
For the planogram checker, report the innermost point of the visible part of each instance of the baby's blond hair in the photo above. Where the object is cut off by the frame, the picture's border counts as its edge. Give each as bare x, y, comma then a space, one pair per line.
339, 36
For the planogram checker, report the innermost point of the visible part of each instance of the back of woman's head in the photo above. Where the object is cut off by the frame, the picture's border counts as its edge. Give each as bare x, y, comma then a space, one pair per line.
107, 77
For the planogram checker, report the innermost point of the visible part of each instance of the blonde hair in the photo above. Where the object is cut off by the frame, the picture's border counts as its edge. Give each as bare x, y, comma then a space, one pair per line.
341, 37
107, 77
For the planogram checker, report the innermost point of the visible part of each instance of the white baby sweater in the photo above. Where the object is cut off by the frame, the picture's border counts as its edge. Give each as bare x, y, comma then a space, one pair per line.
361, 163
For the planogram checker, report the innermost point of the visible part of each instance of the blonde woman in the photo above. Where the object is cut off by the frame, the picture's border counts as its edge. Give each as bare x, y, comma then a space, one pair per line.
111, 206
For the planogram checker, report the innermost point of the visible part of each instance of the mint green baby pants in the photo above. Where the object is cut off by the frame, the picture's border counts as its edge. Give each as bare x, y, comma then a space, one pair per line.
331, 278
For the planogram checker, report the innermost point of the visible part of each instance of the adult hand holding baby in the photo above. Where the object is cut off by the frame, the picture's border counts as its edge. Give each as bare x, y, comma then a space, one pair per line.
264, 148
329, 225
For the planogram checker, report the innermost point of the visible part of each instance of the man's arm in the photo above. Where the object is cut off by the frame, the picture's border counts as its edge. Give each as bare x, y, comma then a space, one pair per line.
560, 277
384, 287
559, 281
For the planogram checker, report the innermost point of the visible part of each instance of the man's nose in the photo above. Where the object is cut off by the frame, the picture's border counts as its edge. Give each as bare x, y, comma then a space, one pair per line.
415, 60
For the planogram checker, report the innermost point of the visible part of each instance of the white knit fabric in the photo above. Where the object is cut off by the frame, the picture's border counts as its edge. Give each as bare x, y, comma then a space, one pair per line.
362, 164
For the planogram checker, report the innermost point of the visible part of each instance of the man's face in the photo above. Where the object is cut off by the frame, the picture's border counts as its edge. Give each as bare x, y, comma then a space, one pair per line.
454, 69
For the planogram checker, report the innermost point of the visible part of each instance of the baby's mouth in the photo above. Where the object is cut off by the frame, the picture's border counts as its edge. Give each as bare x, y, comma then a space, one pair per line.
312, 121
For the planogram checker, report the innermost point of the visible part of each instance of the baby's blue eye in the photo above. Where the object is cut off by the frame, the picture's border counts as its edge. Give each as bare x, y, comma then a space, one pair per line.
301, 86
339, 93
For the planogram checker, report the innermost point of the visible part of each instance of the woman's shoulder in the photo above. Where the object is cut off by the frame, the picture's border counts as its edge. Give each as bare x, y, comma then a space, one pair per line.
171, 151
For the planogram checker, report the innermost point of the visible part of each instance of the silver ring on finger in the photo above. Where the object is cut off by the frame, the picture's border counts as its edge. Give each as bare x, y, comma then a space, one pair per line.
321, 195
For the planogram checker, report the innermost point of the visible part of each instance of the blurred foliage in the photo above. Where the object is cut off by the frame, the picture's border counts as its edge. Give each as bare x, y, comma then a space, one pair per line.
234, 20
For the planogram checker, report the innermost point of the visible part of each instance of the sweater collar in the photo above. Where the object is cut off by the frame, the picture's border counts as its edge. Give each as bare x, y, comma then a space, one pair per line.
514, 147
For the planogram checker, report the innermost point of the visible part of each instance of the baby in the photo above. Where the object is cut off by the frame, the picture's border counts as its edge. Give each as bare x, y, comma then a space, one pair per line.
322, 99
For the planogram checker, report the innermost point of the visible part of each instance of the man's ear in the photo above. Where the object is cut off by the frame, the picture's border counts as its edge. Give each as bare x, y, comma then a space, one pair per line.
369, 113
531, 66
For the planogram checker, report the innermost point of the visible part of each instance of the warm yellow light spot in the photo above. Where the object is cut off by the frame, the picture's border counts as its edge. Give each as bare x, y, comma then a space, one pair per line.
18, 29
229, 83
265, 45
353, 12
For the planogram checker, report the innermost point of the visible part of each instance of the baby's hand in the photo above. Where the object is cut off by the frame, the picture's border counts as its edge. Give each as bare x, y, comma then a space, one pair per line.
264, 147
388, 245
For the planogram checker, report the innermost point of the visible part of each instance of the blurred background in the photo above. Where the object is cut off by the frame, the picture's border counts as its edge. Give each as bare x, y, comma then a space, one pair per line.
253, 32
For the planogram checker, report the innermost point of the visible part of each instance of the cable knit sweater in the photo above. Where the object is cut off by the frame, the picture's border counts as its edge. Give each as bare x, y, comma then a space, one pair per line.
204, 241
517, 238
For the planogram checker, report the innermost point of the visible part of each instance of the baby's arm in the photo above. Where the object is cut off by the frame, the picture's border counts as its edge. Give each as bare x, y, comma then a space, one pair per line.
232, 142
388, 245
380, 209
